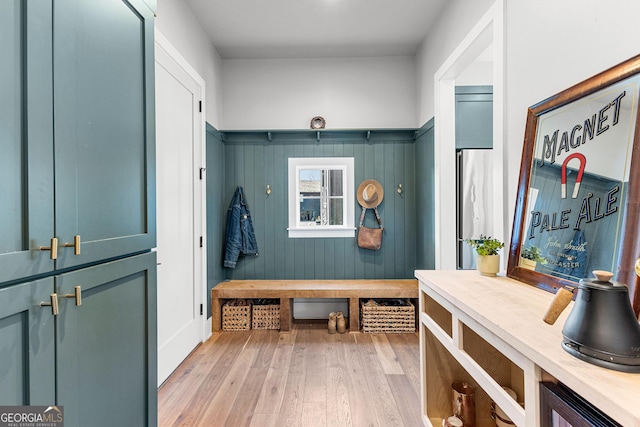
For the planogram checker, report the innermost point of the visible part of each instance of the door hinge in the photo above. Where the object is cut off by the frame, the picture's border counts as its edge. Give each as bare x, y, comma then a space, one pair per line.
202, 171
201, 310
201, 242
200, 106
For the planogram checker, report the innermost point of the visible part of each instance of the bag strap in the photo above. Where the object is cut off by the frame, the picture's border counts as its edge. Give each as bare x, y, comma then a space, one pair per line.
375, 211
364, 211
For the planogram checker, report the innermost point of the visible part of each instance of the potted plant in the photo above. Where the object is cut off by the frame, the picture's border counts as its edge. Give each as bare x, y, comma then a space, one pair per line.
488, 260
530, 257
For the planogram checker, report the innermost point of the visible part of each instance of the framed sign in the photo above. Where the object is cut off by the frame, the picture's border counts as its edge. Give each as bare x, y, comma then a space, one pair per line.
577, 205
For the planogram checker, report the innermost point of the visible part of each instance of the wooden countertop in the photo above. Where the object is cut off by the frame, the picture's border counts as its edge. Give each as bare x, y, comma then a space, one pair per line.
513, 311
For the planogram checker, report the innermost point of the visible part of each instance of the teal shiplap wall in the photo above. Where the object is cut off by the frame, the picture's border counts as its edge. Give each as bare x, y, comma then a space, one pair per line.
425, 199
254, 160
215, 210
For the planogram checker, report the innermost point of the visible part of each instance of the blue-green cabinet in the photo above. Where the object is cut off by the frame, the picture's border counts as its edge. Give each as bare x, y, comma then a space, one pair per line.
78, 134
474, 117
27, 344
93, 354
106, 347
103, 91
77, 192
26, 143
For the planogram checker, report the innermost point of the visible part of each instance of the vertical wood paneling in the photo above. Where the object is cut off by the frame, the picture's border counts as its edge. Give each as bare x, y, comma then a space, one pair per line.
409, 201
216, 211
394, 153
362, 170
254, 164
269, 245
280, 205
424, 198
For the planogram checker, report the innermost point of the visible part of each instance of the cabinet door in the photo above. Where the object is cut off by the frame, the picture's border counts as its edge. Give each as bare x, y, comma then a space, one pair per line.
27, 371
474, 117
106, 347
104, 128
26, 126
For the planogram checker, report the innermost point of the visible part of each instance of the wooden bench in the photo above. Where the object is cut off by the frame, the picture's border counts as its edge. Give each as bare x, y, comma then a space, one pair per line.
287, 290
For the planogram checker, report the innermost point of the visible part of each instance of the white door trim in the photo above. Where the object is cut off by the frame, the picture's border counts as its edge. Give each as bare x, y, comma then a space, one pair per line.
489, 31
200, 219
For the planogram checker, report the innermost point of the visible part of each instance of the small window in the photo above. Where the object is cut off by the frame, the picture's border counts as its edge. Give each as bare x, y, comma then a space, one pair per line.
321, 197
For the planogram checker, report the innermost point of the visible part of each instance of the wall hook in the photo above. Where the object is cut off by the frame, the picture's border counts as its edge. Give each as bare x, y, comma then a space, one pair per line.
400, 190
268, 190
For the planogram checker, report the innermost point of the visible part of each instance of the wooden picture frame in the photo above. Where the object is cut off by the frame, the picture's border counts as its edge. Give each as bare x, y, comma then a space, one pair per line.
561, 407
581, 123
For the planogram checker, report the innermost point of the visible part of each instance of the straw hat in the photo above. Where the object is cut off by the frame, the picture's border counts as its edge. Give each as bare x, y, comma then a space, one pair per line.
370, 193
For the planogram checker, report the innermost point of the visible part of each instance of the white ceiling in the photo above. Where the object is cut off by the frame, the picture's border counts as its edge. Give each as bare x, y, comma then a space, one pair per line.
315, 28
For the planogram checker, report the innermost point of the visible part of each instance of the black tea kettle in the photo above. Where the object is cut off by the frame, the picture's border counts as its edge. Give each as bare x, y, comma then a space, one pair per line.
602, 328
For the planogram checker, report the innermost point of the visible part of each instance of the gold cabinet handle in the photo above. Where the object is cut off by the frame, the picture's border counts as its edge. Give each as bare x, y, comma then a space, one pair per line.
77, 295
75, 245
53, 303
53, 248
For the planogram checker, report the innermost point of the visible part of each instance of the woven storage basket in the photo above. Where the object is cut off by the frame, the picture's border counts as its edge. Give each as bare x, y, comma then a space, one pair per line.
236, 318
265, 316
388, 319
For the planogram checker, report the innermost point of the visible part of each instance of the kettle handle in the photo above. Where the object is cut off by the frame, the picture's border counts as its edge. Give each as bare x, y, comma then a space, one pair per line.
559, 303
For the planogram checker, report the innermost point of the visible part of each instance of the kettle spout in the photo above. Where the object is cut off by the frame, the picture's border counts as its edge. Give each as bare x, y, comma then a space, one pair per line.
559, 303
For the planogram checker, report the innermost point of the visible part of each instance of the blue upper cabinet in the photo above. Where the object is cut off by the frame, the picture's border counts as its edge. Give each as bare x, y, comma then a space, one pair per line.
78, 133
104, 129
26, 128
474, 117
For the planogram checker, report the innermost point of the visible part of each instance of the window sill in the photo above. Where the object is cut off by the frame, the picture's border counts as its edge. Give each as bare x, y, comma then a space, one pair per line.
321, 232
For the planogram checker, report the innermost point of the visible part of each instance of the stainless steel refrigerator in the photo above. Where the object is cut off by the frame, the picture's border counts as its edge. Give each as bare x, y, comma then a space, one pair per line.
474, 201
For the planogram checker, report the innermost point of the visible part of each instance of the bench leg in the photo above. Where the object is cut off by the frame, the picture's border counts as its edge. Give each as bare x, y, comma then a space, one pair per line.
286, 311
354, 314
216, 314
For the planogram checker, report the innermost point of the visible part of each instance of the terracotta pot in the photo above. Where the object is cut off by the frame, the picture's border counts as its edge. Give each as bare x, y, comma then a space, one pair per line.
488, 265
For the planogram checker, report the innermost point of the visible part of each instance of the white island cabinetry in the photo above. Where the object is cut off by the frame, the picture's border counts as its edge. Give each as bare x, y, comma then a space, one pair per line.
489, 332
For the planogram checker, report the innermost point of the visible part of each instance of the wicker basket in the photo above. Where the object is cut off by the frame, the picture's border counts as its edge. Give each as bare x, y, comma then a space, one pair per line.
236, 317
382, 319
265, 316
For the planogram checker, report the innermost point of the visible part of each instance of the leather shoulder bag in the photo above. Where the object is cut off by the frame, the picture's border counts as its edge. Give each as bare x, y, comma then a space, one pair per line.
370, 238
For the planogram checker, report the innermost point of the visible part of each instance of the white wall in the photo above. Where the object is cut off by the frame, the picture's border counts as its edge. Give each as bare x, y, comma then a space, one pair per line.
552, 45
176, 22
479, 73
457, 19
548, 46
347, 92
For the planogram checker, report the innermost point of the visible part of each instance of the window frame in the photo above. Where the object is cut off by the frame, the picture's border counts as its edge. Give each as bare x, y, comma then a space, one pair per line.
321, 231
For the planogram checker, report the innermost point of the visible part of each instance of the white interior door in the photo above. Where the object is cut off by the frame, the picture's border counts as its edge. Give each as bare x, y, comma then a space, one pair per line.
179, 217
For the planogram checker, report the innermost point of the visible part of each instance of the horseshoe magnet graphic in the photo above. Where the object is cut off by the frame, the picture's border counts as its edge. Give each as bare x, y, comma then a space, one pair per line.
563, 177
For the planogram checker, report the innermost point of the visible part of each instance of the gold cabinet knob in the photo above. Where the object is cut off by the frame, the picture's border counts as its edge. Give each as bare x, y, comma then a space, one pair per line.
53, 303
75, 245
53, 247
77, 295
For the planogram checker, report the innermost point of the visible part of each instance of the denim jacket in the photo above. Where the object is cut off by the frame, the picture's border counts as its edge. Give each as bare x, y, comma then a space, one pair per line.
239, 235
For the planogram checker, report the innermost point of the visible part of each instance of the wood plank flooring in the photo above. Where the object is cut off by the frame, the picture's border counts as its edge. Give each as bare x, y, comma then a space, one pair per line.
305, 378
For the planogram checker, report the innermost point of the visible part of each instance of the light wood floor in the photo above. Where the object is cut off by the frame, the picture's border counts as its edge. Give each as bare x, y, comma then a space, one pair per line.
303, 378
